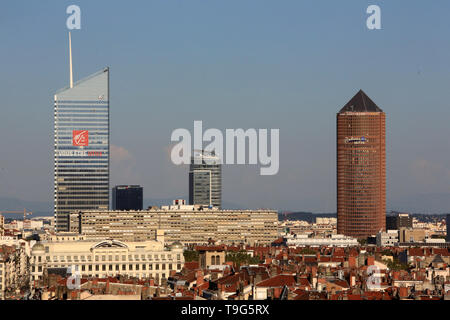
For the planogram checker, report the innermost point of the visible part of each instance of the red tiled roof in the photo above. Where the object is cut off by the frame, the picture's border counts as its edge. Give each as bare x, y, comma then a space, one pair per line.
191, 265
416, 252
278, 281
210, 248
341, 283
304, 282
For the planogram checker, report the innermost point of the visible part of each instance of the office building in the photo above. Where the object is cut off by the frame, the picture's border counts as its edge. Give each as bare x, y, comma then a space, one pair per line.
448, 228
107, 258
205, 179
401, 220
81, 147
127, 198
335, 240
361, 168
388, 238
181, 223
411, 235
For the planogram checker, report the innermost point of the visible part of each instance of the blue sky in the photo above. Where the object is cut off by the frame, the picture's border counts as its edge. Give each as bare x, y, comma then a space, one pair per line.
233, 64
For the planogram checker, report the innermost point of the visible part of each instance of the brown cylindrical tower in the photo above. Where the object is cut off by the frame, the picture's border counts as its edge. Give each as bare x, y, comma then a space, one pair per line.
361, 168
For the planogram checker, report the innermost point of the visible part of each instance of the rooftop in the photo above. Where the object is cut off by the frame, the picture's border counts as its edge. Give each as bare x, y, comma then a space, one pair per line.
360, 103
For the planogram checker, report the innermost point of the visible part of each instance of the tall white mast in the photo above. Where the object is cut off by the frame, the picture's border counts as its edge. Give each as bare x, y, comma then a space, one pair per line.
70, 55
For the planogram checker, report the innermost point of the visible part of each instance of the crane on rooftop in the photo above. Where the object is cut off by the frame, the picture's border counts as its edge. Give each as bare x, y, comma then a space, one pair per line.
24, 212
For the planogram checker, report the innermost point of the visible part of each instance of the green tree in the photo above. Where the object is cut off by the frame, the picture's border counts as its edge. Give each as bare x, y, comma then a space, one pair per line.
307, 251
241, 258
190, 255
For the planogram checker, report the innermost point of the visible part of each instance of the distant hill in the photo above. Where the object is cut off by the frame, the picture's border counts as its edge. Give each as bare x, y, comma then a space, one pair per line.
37, 207
429, 203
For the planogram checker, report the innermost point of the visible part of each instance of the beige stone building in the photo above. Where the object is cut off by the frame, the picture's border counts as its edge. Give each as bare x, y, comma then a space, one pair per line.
411, 235
181, 223
14, 268
2, 224
107, 258
210, 256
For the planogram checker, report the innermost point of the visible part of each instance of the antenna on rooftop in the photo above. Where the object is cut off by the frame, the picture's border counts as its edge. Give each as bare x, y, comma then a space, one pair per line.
70, 57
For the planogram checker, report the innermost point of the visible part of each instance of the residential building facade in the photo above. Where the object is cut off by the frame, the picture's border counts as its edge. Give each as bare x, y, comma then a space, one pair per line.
185, 224
14, 267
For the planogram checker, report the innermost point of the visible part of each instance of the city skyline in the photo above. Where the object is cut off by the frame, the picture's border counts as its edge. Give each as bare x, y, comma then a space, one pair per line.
224, 156
237, 81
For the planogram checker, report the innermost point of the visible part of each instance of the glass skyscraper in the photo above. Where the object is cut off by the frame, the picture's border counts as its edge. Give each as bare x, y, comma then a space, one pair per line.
205, 180
81, 146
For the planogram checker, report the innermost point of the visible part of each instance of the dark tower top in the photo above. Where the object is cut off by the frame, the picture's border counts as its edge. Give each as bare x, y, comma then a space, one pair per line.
360, 103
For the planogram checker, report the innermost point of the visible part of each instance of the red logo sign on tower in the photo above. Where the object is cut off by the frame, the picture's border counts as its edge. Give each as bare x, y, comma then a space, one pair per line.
80, 138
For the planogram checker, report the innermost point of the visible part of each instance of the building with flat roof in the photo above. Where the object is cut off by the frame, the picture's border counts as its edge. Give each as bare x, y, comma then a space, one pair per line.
127, 197
107, 258
2, 224
448, 228
361, 168
388, 238
205, 179
182, 223
411, 235
400, 220
335, 240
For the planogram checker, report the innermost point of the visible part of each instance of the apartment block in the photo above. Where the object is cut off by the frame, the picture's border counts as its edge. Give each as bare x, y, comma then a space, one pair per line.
183, 223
